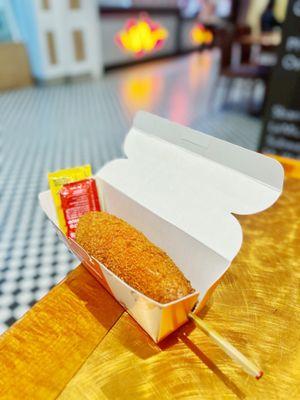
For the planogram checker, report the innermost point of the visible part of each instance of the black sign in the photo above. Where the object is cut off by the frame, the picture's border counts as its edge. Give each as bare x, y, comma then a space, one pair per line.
281, 130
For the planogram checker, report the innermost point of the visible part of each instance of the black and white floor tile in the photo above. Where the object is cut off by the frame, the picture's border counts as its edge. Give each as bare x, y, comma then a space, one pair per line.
47, 128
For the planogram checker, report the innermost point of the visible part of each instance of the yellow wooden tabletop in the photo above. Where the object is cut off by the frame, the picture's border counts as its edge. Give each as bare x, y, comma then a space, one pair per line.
78, 343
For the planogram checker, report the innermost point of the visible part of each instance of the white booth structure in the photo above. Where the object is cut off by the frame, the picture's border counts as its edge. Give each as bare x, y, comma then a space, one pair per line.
62, 37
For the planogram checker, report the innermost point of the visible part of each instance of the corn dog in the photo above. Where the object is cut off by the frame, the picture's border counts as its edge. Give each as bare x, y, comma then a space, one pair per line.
131, 256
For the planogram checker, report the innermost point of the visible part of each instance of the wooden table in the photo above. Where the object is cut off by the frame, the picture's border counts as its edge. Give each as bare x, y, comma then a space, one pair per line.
78, 343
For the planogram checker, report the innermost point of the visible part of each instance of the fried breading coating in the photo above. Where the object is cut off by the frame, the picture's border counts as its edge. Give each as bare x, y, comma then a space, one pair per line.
131, 256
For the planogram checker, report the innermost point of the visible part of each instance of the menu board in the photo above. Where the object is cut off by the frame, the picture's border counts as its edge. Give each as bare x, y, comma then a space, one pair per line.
281, 128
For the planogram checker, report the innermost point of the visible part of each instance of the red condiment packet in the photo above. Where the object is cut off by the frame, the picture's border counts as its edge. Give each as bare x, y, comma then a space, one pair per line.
77, 198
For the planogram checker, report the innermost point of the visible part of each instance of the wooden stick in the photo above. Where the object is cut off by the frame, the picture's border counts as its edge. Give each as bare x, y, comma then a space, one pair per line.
230, 350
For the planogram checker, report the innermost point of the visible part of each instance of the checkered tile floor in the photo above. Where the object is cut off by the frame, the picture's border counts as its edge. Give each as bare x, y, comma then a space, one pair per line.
48, 128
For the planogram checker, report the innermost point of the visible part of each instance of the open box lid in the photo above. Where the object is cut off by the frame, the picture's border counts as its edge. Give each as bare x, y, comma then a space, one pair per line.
194, 181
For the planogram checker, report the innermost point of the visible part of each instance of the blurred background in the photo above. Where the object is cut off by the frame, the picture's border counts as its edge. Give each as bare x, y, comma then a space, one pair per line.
74, 72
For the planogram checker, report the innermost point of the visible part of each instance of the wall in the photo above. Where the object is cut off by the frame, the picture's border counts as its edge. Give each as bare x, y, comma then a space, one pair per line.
25, 17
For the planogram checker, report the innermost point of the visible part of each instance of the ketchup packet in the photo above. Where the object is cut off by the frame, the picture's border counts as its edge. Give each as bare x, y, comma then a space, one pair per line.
77, 198
59, 178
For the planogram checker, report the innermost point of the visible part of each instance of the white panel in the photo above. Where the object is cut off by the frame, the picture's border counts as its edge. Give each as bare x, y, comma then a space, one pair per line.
47, 205
253, 164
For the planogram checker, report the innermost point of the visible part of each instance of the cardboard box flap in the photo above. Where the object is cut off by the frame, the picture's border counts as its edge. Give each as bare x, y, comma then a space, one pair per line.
48, 206
250, 163
194, 181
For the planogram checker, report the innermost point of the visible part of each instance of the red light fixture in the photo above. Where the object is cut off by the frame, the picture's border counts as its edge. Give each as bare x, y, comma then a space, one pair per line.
141, 36
200, 35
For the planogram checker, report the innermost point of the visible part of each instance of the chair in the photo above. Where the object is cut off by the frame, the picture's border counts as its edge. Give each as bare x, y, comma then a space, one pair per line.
243, 66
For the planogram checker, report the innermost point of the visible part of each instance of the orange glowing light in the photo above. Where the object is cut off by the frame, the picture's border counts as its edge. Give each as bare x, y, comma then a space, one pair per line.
141, 92
141, 36
200, 35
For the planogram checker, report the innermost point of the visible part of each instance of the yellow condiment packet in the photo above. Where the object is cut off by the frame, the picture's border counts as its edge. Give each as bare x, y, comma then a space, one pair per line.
59, 178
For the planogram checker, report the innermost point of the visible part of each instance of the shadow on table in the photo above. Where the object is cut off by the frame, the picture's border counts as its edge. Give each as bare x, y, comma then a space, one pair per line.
98, 301
207, 361
182, 334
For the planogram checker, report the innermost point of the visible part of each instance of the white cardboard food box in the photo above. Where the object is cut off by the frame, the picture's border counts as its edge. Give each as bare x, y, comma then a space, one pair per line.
180, 188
